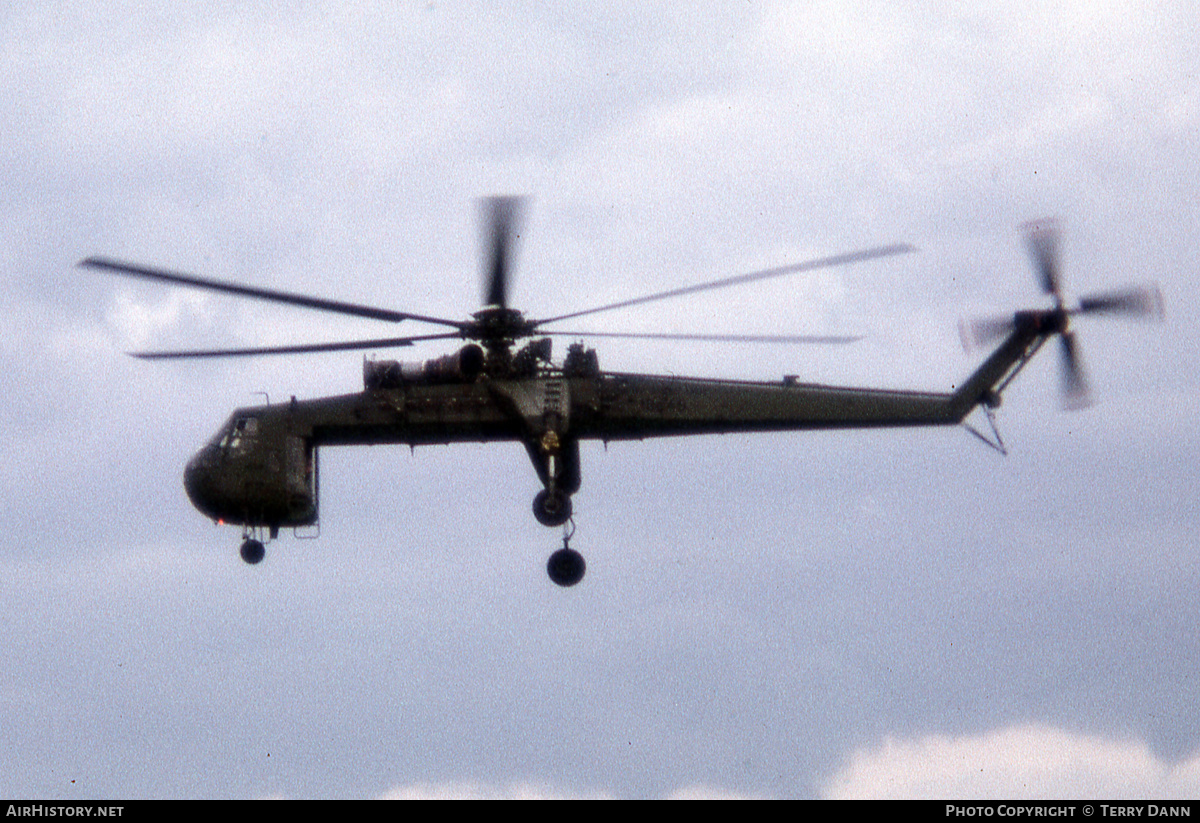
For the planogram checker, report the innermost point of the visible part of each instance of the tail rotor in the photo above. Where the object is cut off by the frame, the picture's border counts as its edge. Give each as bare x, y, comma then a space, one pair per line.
1042, 238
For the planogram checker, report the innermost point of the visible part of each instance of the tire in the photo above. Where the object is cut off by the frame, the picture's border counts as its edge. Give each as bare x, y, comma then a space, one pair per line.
566, 567
252, 551
552, 509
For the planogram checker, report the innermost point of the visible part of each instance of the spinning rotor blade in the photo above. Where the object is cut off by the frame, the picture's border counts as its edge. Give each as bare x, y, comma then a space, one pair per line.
501, 224
1042, 238
984, 331
352, 345
288, 298
765, 274
1076, 392
1143, 301
714, 338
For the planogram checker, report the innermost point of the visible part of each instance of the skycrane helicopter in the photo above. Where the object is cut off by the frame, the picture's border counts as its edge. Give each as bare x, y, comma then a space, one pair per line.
260, 470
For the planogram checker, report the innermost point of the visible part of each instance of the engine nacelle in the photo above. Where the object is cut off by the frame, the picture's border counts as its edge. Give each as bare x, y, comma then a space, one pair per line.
461, 367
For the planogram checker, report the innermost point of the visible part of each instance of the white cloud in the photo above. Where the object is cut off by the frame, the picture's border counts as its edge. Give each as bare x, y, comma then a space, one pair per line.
708, 793
473, 790
1028, 761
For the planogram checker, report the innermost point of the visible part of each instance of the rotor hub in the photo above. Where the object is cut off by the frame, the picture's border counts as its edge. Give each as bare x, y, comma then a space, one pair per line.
1047, 321
498, 325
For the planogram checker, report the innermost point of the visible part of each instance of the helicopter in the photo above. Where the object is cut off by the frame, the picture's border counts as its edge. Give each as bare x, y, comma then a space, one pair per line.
260, 470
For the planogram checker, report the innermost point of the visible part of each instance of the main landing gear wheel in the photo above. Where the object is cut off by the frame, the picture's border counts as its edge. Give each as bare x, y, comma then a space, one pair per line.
252, 551
552, 508
566, 566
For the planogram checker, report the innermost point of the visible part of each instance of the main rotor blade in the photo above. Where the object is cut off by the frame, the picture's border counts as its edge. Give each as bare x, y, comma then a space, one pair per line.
501, 218
352, 345
765, 274
288, 298
1042, 238
715, 338
1141, 301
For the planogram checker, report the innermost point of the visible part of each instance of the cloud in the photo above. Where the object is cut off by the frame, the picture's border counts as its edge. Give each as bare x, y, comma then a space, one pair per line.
472, 790
1023, 761
1026, 761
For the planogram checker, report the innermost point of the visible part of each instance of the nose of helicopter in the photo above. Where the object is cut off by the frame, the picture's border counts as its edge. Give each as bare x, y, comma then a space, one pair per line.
198, 482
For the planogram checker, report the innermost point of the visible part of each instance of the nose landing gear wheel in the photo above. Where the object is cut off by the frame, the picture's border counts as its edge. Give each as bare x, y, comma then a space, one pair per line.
252, 551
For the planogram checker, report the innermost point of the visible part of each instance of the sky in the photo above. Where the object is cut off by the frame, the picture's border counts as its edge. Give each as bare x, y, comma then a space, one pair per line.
838, 614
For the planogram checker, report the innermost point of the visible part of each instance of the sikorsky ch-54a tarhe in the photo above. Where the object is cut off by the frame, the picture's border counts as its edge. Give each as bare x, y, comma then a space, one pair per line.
260, 470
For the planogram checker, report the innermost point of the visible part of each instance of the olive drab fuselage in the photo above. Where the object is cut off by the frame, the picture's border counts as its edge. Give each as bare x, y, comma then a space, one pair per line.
260, 470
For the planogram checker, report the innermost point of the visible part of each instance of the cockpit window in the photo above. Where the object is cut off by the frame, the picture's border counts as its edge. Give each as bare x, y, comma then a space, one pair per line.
242, 430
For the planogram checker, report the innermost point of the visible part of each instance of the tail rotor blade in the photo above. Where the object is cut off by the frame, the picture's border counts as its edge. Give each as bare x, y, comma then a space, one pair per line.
1042, 238
983, 331
1142, 302
1077, 393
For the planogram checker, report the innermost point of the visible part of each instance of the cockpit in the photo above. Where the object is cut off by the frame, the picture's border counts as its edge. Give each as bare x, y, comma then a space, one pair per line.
237, 435
255, 471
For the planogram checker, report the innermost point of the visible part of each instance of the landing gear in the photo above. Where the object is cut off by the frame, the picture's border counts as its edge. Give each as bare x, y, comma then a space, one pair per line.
253, 548
557, 464
552, 507
566, 566
252, 551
